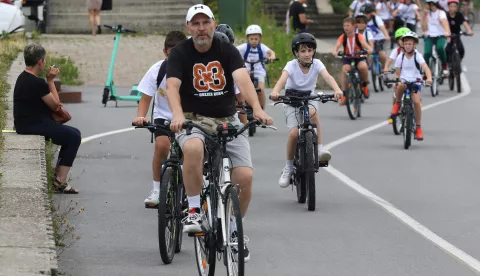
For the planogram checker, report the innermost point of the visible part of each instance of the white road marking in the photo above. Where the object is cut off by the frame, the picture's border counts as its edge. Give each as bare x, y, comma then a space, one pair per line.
415, 225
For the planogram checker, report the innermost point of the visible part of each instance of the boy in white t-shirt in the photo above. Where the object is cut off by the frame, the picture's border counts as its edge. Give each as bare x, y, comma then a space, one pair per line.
380, 33
301, 74
407, 69
254, 51
399, 49
153, 84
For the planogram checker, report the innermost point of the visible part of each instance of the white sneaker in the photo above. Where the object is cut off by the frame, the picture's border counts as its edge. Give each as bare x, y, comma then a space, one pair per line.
192, 223
324, 155
284, 181
445, 72
152, 200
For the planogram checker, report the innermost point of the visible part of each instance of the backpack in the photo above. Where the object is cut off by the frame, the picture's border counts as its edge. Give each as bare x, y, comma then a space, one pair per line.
161, 74
260, 53
357, 41
415, 60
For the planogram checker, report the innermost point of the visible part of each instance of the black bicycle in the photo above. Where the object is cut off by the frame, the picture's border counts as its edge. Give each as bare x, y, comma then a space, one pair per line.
305, 162
219, 203
404, 122
248, 108
354, 91
455, 64
173, 199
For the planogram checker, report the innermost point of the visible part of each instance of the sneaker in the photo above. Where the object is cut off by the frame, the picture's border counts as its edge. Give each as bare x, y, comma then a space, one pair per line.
324, 155
342, 100
419, 134
152, 200
365, 92
193, 222
445, 71
246, 252
395, 108
284, 181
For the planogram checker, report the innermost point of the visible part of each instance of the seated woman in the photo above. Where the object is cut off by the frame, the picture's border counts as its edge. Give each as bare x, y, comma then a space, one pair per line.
33, 103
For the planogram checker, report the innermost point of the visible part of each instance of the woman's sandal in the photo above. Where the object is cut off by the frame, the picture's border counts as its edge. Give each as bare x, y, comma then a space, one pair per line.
61, 188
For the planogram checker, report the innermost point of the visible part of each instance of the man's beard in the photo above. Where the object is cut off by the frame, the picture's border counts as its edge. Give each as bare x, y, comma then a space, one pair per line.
203, 42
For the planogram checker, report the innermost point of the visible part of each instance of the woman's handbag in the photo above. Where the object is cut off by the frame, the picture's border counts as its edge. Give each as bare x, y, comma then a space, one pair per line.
61, 116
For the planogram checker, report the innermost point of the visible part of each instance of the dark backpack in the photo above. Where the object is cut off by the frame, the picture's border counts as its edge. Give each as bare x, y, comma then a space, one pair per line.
415, 60
260, 53
357, 41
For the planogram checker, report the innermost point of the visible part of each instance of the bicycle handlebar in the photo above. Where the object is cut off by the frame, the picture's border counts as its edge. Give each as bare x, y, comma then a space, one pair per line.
295, 99
421, 82
358, 54
264, 61
226, 130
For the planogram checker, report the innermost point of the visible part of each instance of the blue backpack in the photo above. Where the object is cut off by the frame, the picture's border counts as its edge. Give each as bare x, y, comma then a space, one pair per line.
260, 53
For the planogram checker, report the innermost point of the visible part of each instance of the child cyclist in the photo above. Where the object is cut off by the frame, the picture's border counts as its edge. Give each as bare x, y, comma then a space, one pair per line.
253, 51
395, 52
352, 43
361, 20
456, 20
406, 65
301, 74
153, 85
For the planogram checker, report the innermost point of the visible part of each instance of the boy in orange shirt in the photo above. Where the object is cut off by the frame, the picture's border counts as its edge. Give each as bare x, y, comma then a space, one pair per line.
353, 44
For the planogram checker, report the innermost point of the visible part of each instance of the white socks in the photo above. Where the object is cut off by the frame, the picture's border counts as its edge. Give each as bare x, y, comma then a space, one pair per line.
156, 186
193, 201
289, 163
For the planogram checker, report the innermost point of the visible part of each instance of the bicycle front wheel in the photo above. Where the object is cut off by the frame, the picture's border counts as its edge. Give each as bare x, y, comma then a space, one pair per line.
309, 172
373, 70
235, 248
408, 124
351, 102
299, 176
168, 223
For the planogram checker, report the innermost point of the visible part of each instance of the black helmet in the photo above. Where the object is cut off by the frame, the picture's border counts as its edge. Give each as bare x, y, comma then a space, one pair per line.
224, 28
367, 8
303, 38
222, 37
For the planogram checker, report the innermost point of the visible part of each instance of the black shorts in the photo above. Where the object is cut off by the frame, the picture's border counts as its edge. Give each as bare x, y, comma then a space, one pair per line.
158, 133
348, 61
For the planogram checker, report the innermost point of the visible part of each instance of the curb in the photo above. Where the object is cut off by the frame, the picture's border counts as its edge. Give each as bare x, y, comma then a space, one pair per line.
27, 244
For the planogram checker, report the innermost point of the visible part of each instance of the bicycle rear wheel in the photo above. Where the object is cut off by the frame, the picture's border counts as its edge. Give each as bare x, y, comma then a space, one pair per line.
167, 212
204, 243
456, 61
434, 68
235, 250
408, 124
309, 174
373, 70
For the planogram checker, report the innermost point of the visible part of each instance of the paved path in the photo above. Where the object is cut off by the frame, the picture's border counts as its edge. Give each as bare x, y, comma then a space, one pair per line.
435, 182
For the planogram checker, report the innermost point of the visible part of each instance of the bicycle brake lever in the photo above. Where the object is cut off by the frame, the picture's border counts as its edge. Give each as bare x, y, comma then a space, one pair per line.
270, 127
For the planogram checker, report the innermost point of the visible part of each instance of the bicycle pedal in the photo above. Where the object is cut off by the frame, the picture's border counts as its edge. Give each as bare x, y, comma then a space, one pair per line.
201, 234
323, 163
151, 207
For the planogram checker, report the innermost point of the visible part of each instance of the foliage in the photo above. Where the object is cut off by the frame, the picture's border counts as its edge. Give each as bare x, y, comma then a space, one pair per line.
68, 71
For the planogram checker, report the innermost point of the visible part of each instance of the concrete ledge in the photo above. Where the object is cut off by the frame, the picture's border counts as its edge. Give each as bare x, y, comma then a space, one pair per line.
27, 244
70, 97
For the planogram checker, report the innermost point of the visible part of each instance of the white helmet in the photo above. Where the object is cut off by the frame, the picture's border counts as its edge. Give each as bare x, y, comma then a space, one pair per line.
254, 29
411, 35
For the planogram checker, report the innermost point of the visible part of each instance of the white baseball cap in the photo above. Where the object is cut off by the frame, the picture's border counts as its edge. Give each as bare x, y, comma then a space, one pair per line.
196, 9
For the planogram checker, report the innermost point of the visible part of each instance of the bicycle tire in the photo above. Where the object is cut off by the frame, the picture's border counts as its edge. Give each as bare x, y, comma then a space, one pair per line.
451, 80
299, 179
434, 85
205, 265
407, 131
232, 201
459, 82
309, 172
350, 99
380, 83
358, 100
183, 202
457, 66
373, 70
167, 209
397, 124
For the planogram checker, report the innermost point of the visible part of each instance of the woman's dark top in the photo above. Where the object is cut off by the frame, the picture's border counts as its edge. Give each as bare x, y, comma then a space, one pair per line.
28, 106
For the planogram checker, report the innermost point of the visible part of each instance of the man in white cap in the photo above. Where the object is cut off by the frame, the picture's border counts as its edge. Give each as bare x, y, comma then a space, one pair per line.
200, 87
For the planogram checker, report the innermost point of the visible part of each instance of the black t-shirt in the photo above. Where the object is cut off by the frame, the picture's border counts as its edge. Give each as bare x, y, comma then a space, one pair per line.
207, 84
297, 8
28, 106
455, 22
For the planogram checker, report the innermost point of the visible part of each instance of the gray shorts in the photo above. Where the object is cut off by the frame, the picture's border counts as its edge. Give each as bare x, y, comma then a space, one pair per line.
238, 150
294, 115
261, 78
379, 45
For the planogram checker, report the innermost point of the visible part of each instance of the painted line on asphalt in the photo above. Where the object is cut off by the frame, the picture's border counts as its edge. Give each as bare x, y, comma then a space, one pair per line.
402, 216
100, 135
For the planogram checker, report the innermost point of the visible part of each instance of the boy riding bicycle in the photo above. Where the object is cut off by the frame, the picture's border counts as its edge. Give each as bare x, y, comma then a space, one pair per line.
380, 33
352, 43
301, 74
456, 20
408, 68
253, 51
361, 20
153, 85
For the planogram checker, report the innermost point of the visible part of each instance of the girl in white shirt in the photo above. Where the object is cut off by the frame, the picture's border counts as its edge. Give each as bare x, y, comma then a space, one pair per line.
435, 26
301, 74
410, 15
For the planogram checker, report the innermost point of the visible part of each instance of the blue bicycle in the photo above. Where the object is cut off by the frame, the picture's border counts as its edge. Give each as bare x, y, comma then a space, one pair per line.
376, 70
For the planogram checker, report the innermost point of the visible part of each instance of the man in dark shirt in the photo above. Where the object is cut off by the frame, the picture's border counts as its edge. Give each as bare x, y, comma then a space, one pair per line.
300, 21
200, 76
